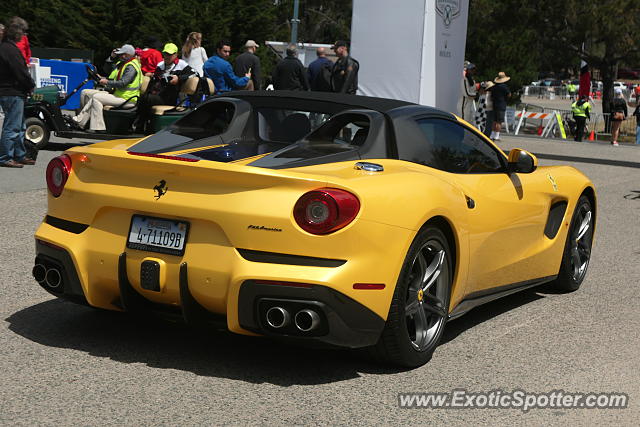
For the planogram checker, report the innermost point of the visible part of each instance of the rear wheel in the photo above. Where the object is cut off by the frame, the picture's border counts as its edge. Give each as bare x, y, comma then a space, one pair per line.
577, 249
420, 302
36, 132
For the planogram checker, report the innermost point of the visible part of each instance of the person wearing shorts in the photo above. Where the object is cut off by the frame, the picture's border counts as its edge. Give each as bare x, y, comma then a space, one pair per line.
499, 95
618, 115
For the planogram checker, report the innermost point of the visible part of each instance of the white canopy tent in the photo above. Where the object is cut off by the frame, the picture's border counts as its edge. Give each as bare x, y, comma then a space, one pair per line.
411, 50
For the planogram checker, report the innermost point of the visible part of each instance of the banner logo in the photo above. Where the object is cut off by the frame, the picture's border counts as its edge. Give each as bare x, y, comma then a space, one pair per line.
61, 81
448, 10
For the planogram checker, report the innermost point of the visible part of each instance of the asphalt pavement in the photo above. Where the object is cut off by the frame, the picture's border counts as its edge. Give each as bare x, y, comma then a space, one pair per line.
64, 364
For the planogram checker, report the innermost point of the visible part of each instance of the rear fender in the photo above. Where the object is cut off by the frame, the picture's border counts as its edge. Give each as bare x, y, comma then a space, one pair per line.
428, 198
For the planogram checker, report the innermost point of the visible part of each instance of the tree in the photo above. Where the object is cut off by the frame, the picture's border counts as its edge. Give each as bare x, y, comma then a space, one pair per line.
508, 35
321, 21
609, 29
101, 26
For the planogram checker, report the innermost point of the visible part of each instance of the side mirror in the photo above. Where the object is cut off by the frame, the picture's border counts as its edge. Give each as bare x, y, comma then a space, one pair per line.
521, 161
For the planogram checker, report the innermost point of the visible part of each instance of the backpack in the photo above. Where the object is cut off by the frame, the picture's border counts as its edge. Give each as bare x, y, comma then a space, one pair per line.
322, 81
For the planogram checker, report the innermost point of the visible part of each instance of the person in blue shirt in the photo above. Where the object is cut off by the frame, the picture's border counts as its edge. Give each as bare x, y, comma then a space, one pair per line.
219, 70
319, 72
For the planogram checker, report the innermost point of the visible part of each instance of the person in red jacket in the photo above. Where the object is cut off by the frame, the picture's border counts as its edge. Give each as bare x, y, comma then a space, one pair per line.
25, 49
150, 56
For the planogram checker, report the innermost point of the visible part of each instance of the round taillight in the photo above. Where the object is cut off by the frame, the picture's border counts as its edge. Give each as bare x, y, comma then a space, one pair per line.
325, 210
58, 171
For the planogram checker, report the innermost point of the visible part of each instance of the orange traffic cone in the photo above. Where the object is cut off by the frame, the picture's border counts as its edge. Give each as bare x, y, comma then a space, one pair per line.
592, 136
540, 130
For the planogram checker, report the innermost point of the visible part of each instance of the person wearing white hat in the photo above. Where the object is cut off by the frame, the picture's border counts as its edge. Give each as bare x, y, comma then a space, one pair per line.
124, 81
618, 114
484, 115
248, 61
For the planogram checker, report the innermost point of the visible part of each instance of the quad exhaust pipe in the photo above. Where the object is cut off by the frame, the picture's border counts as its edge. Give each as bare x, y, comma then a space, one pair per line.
51, 277
39, 273
278, 317
307, 320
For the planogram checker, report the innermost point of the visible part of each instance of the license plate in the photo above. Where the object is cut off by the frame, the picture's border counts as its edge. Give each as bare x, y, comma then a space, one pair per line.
166, 236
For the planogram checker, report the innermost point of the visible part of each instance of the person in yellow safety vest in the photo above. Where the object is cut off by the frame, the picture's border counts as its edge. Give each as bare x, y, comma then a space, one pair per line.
124, 81
581, 112
572, 89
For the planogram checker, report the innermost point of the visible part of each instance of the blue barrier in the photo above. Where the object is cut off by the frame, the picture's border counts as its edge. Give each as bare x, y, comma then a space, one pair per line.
66, 75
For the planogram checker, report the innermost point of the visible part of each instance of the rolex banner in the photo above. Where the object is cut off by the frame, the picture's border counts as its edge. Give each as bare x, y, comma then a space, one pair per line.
411, 50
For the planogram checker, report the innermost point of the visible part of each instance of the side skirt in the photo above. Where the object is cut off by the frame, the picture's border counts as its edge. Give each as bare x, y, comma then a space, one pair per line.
482, 297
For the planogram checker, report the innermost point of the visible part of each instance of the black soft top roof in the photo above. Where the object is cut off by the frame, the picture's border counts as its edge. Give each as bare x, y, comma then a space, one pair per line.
342, 101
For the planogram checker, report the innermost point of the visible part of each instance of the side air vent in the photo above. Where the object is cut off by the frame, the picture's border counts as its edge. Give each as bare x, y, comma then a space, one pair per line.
556, 213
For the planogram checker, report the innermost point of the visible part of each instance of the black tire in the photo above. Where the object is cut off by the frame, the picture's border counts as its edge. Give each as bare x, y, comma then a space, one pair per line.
577, 248
36, 132
401, 342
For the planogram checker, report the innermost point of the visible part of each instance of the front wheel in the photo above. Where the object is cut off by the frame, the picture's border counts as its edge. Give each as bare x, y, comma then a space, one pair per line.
419, 307
577, 249
36, 132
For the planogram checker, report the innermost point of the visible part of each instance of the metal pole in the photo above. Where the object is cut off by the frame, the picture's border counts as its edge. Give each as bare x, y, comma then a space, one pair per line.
294, 23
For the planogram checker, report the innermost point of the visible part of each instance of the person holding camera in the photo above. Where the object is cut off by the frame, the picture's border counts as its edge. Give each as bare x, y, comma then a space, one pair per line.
164, 88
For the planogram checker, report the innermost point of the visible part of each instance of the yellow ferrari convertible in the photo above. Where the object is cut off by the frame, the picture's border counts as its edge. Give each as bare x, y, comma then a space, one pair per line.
345, 220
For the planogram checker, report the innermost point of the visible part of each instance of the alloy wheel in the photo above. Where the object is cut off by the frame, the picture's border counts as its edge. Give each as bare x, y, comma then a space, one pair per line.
581, 237
427, 290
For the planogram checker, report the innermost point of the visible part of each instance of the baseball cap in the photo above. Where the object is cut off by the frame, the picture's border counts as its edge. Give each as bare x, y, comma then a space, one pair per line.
126, 48
338, 44
618, 91
251, 43
170, 48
